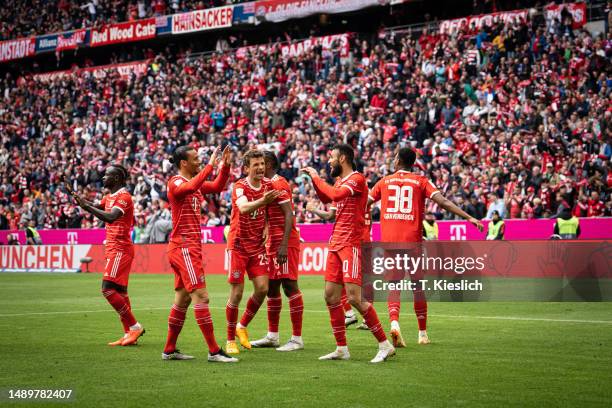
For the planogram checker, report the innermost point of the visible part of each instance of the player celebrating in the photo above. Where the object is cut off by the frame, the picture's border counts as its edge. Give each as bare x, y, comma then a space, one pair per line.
246, 246
283, 251
349, 315
403, 193
117, 211
185, 194
350, 194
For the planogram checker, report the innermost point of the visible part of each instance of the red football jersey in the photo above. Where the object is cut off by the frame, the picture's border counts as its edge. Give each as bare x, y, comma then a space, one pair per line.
185, 205
247, 230
402, 204
367, 230
118, 233
350, 211
276, 218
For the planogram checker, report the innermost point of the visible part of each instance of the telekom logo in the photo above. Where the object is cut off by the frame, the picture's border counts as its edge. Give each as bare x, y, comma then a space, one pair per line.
457, 233
73, 237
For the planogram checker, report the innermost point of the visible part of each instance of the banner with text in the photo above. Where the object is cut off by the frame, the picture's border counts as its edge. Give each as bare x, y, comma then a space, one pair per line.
282, 10
17, 49
470, 22
200, 20
516, 230
123, 32
124, 70
578, 12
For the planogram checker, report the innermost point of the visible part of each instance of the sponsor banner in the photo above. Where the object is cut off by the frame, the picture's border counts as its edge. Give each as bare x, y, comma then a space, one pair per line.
71, 40
42, 258
454, 26
281, 10
46, 43
244, 13
541, 229
577, 10
200, 20
123, 32
163, 25
17, 49
125, 70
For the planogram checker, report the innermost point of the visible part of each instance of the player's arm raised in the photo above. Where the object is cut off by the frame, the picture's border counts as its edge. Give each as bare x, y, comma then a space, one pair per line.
324, 215
327, 193
197, 182
448, 205
219, 183
246, 207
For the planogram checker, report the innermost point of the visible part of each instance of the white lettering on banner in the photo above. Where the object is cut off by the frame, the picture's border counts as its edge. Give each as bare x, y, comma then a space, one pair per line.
453, 26
313, 259
125, 70
576, 10
47, 42
42, 258
200, 20
15, 49
326, 42
458, 232
123, 32
281, 10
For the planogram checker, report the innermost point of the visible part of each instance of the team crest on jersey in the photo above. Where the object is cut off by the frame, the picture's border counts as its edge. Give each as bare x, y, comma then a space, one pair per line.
239, 192
178, 182
352, 182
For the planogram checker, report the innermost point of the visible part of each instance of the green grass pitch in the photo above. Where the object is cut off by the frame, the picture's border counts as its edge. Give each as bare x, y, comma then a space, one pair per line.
54, 329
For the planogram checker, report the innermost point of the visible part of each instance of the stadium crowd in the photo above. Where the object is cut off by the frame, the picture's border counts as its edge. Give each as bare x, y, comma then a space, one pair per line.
515, 118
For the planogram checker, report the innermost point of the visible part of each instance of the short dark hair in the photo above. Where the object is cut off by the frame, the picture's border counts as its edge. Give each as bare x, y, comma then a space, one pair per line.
407, 157
180, 153
123, 173
346, 151
271, 158
252, 154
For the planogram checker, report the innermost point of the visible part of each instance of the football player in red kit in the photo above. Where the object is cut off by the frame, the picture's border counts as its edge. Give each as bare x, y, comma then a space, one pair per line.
343, 268
283, 250
402, 203
186, 193
246, 246
117, 211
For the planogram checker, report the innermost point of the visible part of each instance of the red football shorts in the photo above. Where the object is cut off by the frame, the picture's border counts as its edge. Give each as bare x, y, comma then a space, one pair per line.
344, 266
118, 266
288, 270
188, 269
253, 265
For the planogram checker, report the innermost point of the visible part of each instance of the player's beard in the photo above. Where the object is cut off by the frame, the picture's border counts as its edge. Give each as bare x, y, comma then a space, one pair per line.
336, 170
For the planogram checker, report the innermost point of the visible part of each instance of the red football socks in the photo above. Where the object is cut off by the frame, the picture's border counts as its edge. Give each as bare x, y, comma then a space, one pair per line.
176, 319
204, 321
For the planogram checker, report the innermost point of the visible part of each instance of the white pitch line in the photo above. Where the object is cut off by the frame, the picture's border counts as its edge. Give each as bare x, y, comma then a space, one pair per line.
533, 319
515, 318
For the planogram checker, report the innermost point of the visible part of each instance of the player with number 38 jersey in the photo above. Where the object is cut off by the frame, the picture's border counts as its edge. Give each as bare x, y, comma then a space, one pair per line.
402, 195
402, 203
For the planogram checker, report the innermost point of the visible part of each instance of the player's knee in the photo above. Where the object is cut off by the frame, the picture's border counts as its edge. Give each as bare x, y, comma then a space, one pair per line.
260, 292
199, 297
290, 288
331, 298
